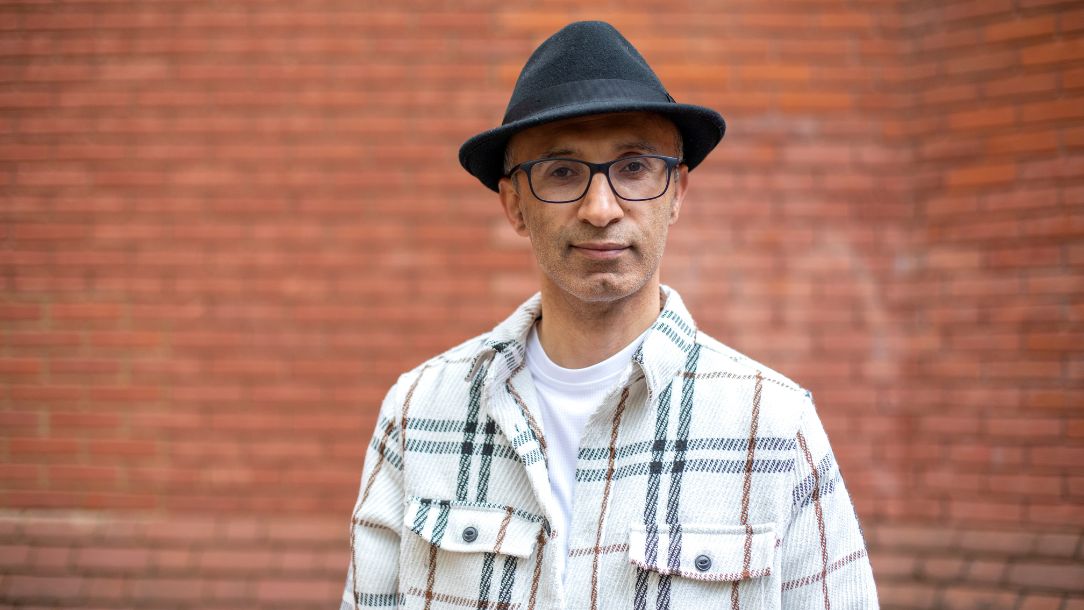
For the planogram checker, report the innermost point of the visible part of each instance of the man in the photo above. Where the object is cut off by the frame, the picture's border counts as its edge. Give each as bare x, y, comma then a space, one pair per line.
595, 450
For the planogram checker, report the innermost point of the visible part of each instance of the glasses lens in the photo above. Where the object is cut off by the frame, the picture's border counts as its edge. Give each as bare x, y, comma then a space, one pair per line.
639, 177
559, 180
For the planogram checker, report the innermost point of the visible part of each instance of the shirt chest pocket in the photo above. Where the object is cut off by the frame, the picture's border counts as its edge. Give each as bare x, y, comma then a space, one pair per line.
700, 563
462, 553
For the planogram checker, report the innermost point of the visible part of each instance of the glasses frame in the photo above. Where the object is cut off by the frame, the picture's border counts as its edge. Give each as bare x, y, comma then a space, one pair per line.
596, 168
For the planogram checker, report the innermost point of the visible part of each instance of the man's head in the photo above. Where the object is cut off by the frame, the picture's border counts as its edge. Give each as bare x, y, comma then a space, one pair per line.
592, 161
597, 235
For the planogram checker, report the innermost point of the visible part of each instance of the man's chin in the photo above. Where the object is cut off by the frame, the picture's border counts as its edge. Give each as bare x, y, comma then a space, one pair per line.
603, 288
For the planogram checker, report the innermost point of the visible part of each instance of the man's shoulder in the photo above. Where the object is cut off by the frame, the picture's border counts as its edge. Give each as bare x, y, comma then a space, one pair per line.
459, 356
720, 359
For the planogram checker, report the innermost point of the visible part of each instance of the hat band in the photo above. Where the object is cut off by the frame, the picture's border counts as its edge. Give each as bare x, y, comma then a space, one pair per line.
585, 91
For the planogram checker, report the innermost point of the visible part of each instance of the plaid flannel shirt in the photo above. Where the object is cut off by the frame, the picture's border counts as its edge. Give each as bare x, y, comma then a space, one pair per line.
704, 478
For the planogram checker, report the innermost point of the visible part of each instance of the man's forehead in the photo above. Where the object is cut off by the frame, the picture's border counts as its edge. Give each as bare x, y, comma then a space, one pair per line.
615, 130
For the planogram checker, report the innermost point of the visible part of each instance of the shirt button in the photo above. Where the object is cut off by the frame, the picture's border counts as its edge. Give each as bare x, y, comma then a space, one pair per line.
470, 534
702, 563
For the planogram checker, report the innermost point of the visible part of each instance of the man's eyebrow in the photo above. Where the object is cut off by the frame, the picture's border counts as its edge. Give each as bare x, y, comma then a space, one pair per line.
638, 145
643, 145
557, 152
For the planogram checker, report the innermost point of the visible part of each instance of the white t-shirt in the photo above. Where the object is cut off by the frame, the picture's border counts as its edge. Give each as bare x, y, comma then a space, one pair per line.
568, 398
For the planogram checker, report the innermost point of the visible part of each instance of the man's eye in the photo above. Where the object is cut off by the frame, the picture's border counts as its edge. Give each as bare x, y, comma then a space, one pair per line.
634, 167
562, 172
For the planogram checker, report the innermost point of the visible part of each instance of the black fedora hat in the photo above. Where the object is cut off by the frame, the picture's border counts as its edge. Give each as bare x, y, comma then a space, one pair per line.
587, 67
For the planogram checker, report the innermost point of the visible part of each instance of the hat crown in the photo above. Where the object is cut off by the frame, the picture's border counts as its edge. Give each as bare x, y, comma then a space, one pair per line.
587, 68
580, 59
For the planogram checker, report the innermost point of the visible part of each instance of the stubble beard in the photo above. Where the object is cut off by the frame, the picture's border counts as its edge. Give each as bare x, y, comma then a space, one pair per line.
597, 281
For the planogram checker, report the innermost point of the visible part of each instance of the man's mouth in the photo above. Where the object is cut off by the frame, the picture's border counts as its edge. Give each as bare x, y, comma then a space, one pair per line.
600, 250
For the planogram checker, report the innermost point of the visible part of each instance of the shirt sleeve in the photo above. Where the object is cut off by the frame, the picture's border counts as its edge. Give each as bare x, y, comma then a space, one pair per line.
824, 560
373, 575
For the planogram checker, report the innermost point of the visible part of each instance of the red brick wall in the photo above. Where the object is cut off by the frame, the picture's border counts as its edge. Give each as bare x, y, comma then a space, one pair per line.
989, 431
227, 227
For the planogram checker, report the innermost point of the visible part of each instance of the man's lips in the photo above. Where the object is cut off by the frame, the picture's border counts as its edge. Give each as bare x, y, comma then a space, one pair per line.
600, 250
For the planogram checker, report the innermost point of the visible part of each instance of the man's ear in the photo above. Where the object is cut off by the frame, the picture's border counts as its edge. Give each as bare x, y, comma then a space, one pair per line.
680, 186
512, 202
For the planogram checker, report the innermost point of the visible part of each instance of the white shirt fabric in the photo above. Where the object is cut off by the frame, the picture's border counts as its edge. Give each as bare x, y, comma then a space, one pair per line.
567, 398
793, 527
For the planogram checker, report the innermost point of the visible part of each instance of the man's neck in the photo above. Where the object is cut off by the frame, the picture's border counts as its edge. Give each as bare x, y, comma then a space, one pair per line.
576, 334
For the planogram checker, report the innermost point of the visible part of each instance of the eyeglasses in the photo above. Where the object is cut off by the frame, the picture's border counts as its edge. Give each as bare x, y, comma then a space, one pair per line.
561, 180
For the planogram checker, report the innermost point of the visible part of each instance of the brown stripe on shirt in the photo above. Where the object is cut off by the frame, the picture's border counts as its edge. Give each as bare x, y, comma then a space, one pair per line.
820, 518
503, 529
606, 495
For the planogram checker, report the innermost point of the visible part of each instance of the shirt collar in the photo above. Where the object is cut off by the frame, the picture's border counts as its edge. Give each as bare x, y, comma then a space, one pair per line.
662, 355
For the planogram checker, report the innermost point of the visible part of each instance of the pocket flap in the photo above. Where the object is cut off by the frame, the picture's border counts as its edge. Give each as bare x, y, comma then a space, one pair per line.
465, 527
704, 552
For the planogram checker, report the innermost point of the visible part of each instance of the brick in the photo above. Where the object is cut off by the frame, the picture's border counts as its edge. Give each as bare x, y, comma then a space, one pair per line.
1052, 52
1014, 141
971, 65
1031, 428
1060, 577
25, 586
1053, 110
1072, 79
1039, 601
986, 511
19, 475
1042, 399
1054, 341
83, 476
988, 453
86, 311
172, 560
1041, 25
166, 589
943, 568
1023, 257
218, 561
46, 559
1033, 370
1031, 486
986, 571
1057, 545
964, 597
122, 447
62, 419
951, 481
296, 589
815, 101
1055, 456
33, 499
20, 367
17, 311
948, 39
981, 175
984, 118
43, 446
914, 537
906, 594
14, 556
98, 588
1017, 86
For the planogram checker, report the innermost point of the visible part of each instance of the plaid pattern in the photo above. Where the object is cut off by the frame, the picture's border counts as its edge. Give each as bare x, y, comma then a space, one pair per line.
704, 478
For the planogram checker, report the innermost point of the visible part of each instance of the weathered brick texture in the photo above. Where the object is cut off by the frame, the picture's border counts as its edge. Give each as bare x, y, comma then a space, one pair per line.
225, 227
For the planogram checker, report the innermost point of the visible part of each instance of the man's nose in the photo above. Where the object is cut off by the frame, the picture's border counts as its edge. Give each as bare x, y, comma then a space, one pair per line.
600, 205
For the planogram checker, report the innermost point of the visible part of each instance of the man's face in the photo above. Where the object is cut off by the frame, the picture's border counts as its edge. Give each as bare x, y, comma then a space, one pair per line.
598, 248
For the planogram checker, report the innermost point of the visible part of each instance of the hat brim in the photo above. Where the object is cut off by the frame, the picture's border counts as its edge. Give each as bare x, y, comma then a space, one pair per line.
701, 130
